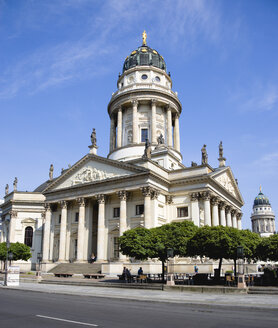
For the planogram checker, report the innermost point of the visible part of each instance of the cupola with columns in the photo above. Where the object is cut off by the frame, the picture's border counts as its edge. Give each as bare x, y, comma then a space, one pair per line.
144, 107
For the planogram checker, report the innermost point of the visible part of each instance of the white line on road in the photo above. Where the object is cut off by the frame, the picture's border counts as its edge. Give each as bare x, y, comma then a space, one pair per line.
65, 320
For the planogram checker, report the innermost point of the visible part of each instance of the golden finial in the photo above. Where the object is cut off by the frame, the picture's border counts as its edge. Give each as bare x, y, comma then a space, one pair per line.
144, 37
260, 188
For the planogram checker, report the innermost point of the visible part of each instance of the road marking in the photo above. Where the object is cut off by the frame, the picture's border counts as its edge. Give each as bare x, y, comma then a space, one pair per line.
65, 320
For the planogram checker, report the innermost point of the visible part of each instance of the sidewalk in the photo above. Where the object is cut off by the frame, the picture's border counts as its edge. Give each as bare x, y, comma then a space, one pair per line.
189, 298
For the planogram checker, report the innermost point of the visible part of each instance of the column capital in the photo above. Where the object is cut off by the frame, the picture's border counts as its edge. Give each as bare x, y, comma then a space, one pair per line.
239, 215
194, 196
123, 194
176, 116
214, 201
101, 198
81, 201
206, 195
146, 191
63, 203
13, 214
167, 107
119, 109
47, 206
169, 199
154, 194
227, 208
233, 212
222, 205
135, 102
153, 101
43, 215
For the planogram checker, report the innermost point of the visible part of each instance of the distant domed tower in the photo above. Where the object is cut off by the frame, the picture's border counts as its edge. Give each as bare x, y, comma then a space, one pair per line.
263, 218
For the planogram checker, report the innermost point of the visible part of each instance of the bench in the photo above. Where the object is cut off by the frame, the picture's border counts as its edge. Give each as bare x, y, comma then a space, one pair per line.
64, 275
94, 275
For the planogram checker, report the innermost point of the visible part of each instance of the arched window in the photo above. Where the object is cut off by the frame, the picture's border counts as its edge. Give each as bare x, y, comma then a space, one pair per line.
28, 237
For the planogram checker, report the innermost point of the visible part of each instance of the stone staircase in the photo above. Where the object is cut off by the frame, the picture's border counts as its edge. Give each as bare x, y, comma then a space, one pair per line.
263, 290
76, 268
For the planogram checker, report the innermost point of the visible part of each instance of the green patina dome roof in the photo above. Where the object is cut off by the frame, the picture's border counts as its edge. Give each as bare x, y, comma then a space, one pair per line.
261, 199
144, 56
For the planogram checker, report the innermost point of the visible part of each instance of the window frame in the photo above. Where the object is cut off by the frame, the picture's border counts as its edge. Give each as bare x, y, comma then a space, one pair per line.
144, 129
116, 212
28, 238
138, 211
182, 210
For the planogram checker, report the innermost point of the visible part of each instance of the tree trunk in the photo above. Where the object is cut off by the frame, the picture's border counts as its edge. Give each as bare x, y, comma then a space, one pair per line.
219, 267
235, 267
163, 271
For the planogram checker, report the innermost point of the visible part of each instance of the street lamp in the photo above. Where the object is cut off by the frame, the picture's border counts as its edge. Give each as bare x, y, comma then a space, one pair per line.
39, 259
240, 256
169, 253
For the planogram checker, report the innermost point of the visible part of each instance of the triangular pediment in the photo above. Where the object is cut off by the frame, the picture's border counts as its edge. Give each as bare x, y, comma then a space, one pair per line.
90, 169
226, 179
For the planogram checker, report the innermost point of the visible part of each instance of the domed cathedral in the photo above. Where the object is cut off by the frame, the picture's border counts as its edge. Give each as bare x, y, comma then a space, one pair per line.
80, 213
262, 217
145, 108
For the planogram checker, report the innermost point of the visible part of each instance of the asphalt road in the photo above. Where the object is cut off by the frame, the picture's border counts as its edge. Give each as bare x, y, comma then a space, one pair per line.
26, 309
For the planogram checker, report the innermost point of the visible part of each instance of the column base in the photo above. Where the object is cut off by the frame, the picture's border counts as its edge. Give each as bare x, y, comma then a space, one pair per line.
62, 261
101, 261
80, 261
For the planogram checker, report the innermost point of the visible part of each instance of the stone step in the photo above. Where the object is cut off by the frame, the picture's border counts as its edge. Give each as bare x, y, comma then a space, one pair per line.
263, 290
77, 268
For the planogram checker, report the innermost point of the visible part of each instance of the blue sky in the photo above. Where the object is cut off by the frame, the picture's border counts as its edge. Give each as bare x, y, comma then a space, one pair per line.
59, 63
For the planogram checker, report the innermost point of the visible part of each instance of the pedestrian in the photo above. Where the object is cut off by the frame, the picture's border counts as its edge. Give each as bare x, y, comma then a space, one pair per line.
93, 258
140, 271
124, 274
128, 275
196, 269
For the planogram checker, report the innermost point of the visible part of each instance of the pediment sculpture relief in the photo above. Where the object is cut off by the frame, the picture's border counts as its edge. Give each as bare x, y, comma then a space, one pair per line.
226, 182
89, 174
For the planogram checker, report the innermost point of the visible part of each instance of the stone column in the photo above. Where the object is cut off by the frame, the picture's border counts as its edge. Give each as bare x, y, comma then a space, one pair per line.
222, 214
154, 196
154, 121
195, 208
234, 220
119, 131
123, 223
238, 216
177, 133
12, 226
63, 231
101, 240
215, 215
228, 216
134, 121
81, 230
46, 233
112, 132
206, 197
169, 127
146, 191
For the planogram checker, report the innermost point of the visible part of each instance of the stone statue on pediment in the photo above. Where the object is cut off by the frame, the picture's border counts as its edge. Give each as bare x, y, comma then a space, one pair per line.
204, 155
51, 169
15, 184
160, 140
94, 138
220, 150
7, 189
148, 149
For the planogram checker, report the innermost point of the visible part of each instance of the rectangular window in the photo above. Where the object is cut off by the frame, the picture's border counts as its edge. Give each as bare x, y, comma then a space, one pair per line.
144, 135
60, 216
116, 212
116, 247
139, 209
76, 217
182, 212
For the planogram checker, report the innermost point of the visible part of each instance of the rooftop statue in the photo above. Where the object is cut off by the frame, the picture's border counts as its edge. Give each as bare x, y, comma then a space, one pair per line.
144, 37
220, 150
15, 184
204, 155
94, 138
6, 189
148, 149
51, 169
160, 139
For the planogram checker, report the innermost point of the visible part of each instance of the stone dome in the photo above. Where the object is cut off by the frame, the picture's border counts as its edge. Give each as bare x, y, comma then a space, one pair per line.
144, 56
261, 199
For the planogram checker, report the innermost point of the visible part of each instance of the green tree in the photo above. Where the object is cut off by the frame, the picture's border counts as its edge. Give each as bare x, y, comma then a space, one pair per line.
142, 243
20, 251
268, 248
222, 242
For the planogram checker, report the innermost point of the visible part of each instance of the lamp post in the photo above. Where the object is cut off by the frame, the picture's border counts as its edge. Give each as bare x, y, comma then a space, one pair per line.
170, 280
39, 259
240, 257
6, 263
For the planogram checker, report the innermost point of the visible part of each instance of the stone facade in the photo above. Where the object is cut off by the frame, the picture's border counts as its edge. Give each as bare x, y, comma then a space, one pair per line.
91, 204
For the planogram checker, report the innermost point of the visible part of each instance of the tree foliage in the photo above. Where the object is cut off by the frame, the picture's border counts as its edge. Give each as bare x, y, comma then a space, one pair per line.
268, 248
20, 251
